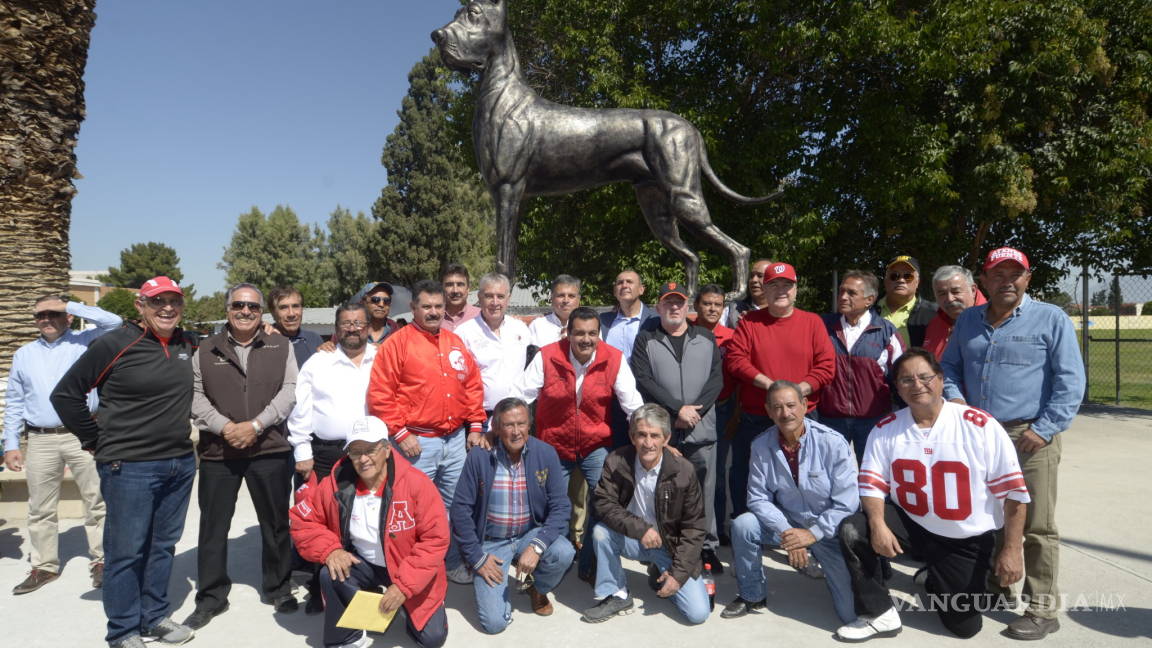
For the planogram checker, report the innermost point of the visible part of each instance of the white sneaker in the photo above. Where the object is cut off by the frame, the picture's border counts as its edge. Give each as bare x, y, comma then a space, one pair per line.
460, 575
865, 628
363, 642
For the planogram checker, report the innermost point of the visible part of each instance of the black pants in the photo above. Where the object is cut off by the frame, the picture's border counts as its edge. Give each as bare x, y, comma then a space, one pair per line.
325, 454
366, 576
269, 480
957, 568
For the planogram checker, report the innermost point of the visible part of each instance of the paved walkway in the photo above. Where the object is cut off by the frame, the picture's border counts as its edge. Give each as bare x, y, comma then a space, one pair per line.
1105, 517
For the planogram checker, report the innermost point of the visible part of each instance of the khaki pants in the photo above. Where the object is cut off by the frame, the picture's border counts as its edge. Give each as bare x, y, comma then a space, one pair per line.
1041, 539
45, 457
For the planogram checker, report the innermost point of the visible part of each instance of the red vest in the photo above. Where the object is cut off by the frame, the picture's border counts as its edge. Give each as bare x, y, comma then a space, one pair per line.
575, 431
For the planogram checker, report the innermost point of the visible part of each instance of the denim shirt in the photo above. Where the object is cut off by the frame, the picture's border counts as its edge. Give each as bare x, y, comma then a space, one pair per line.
827, 492
1028, 368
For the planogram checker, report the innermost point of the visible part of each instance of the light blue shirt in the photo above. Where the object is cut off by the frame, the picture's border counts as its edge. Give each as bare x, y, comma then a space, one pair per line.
1027, 368
39, 365
623, 333
826, 493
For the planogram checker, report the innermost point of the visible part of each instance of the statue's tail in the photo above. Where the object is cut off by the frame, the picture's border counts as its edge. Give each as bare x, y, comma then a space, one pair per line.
728, 193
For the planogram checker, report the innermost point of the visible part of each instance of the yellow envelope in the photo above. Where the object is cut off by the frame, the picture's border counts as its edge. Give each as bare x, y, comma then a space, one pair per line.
363, 613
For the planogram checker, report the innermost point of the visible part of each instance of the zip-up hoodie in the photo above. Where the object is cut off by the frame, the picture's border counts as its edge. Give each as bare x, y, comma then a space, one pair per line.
145, 388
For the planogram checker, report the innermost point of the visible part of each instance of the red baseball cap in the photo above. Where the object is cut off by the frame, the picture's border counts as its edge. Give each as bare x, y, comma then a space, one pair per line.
1000, 255
158, 285
777, 270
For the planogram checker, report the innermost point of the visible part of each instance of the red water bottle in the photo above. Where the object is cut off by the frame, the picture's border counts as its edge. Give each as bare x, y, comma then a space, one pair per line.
710, 585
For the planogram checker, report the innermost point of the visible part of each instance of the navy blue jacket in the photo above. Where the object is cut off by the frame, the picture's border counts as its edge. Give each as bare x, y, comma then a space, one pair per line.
547, 498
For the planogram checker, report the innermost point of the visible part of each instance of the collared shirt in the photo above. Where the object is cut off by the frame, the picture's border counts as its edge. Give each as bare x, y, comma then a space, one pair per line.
532, 380
643, 504
792, 456
898, 317
207, 417
449, 323
853, 333
364, 523
330, 396
508, 512
38, 366
622, 334
304, 344
1028, 368
388, 329
501, 355
545, 330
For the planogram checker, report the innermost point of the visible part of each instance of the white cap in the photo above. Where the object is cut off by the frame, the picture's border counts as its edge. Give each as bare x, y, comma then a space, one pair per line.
368, 428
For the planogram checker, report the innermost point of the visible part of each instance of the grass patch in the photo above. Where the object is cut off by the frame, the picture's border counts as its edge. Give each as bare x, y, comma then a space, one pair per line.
1135, 367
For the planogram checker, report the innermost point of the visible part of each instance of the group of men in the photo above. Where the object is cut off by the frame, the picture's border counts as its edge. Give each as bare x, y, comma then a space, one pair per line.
471, 446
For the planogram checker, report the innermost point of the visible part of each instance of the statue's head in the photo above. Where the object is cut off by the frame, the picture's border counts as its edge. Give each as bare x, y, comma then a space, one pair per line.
473, 35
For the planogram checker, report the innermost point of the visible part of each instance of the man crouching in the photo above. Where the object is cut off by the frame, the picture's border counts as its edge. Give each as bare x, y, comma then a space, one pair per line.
377, 521
651, 509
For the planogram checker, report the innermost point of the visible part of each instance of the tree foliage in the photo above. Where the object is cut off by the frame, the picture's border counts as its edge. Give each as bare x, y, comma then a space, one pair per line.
351, 252
200, 310
278, 250
938, 129
434, 209
141, 262
121, 302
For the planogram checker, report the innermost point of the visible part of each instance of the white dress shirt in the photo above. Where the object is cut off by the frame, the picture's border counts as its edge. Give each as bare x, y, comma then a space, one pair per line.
643, 504
364, 525
546, 330
501, 355
331, 393
532, 380
852, 335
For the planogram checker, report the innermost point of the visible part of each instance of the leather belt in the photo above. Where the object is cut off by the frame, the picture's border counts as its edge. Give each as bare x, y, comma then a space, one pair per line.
328, 442
51, 430
1015, 422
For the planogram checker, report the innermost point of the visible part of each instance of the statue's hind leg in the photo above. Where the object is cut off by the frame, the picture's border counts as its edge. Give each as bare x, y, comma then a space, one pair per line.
654, 203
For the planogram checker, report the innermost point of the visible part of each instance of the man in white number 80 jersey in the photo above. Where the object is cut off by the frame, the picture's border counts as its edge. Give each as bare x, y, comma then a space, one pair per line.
937, 479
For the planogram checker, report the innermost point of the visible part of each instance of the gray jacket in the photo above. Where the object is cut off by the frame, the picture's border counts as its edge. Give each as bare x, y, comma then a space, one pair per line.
696, 378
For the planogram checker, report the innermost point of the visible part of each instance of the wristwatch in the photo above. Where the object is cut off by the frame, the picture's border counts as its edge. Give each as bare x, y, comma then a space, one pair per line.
537, 549
256, 426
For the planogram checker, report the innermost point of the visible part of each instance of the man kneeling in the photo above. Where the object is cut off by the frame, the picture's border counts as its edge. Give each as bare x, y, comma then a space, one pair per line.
651, 509
511, 508
393, 519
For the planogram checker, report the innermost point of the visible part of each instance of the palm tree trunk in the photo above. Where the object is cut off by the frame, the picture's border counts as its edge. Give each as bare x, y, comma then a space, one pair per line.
43, 50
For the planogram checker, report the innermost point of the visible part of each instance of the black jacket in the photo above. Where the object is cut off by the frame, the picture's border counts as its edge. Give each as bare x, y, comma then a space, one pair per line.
679, 507
145, 394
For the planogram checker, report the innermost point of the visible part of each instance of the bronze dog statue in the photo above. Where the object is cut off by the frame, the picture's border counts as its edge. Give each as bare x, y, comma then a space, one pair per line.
528, 146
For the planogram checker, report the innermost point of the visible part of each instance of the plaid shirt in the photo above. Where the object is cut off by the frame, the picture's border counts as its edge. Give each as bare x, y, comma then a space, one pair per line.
508, 514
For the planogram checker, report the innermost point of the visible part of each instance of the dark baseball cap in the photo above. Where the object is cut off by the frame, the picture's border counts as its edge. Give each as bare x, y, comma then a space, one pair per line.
370, 287
904, 258
672, 288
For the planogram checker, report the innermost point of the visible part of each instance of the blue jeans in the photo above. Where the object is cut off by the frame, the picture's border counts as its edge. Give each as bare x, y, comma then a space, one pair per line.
590, 466
692, 597
854, 429
751, 426
146, 504
748, 536
442, 459
492, 600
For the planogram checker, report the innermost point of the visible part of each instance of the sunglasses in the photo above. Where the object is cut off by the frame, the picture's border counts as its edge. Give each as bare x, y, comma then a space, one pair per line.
161, 302
241, 305
897, 276
43, 315
377, 299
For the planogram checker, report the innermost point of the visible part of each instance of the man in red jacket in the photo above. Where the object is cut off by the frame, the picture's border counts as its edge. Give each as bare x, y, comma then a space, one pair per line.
427, 389
340, 525
777, 342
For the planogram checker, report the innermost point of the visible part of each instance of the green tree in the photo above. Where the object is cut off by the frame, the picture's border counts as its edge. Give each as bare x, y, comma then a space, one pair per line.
120, 301
201, 310
351, 252
278, 250
940, 130
141, 262
434, 209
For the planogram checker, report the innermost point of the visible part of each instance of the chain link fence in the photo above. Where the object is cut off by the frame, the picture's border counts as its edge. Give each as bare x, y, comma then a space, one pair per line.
1113, 319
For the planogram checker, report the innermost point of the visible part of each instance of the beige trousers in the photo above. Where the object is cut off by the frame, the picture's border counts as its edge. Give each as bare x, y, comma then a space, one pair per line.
45, 457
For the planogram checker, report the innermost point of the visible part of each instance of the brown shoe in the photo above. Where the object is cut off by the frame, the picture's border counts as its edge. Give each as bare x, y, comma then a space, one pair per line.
1031, 628
96, 569
37, 579
540, 603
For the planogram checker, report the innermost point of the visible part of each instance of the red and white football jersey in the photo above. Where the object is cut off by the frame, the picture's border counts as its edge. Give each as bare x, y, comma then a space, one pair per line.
951, 479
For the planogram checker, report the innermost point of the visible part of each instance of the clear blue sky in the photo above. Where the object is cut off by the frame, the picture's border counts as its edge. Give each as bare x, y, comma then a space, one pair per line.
198, 111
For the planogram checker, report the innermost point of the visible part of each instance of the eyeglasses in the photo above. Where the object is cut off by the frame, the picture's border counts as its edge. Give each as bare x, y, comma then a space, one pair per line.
46, 314
241, 305
352, 326
355, 455
160, 302
897, 276
377, 299
910, 381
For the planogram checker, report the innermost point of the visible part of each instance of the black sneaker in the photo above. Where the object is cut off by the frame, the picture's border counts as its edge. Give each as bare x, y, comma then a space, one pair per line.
654, 577
285, 604
740, 607
201, 616
607, 608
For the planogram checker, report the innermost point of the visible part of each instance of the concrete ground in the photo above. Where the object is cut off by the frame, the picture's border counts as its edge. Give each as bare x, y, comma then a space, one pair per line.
1105, 517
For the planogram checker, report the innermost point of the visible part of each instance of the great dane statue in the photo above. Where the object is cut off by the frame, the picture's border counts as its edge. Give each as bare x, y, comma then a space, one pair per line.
528, 146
